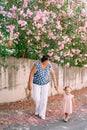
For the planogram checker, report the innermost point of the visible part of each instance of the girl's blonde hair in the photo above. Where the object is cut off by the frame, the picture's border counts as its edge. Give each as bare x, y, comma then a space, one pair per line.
65, 88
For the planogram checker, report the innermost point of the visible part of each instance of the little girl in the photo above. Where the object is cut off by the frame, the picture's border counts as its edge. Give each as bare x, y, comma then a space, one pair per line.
68, 102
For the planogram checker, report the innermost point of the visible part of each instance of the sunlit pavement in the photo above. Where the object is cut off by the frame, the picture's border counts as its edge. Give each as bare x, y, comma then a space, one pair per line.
20, 115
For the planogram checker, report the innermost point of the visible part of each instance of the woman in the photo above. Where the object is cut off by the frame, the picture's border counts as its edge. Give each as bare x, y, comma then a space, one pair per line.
39, 79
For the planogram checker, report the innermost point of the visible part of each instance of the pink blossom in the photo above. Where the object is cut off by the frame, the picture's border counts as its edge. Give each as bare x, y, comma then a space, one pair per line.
23, 28
52, 1
39, 25
38, 16
45, 45
58, 26
63, 13
84, 37
1, 8
37, 38
62, 2
70, 12
36, 7
79, 59
65, 55
25, 4
59, 6
10, 29
61, 47
73, 50
84, 13
48, 3
14, 8
56, 57
71, 55
68, 54
3, 12
41, 16
54, 37
82, 29
15, 35
53, 14
73, 4
50, 53
60, 43
29, 13
23, 14
77, 51
43, 29
66, 39
85, 55
29, 32
15, 41
85, 24
50, 34
22, 22
10, 15
38, 51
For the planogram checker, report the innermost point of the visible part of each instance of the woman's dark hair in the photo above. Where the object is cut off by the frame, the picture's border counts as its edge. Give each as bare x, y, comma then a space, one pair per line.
45, 57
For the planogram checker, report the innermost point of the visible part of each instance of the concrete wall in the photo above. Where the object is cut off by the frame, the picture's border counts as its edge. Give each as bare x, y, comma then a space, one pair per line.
15, 73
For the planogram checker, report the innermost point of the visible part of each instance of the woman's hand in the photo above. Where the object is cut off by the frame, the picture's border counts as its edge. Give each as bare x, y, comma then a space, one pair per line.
28, 93
54, 79
56, 88
30, 87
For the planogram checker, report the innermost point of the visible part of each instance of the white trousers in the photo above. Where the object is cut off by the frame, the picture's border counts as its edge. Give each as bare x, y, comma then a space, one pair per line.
40, 96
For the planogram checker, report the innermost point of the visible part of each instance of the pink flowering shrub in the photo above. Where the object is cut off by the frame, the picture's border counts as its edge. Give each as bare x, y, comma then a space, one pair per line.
54, 27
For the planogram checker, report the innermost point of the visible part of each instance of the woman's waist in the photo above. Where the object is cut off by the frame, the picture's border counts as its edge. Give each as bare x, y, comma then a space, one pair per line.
40, 82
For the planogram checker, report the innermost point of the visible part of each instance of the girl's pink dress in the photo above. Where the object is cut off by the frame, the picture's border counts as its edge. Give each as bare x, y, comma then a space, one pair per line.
67, 103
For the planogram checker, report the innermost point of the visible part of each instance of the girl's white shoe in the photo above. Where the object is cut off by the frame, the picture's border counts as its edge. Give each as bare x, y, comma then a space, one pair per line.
66, 119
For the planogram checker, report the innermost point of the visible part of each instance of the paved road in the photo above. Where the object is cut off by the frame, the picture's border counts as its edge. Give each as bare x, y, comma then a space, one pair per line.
78, 122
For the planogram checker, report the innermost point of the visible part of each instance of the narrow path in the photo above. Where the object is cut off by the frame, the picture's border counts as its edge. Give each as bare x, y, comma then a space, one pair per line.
17, 115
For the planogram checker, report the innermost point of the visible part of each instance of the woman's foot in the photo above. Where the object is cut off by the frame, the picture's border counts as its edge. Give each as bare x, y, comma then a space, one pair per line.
36, 114
42, 117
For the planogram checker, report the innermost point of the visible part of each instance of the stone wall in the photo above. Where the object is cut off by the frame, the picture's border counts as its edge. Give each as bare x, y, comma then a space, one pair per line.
14, 74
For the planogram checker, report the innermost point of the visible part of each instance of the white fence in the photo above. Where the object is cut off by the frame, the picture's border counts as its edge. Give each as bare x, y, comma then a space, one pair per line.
15, 73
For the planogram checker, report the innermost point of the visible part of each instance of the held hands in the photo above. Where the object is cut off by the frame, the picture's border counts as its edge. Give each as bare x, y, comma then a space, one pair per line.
56, 88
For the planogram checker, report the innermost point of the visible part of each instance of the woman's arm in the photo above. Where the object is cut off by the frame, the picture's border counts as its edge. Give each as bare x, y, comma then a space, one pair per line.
32, 72
54, 78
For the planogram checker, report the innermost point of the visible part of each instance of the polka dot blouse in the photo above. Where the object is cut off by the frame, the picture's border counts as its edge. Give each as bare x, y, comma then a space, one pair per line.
42, 76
